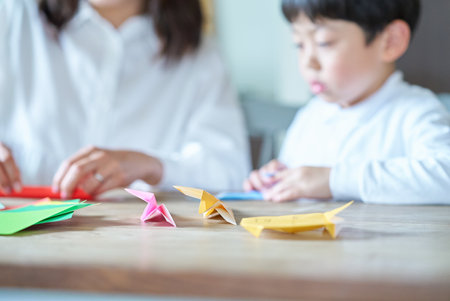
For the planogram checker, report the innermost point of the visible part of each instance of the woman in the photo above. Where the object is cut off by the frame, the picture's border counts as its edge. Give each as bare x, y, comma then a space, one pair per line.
118, 91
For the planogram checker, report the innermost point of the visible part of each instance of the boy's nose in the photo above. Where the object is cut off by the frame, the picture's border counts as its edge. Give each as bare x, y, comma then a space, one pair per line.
308, 60
311, 62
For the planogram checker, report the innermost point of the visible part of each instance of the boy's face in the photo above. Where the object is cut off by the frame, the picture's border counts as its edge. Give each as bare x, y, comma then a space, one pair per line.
336, 61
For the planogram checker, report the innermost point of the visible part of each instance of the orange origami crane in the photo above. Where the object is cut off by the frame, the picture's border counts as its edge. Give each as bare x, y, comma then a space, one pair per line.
210, 206
294, 223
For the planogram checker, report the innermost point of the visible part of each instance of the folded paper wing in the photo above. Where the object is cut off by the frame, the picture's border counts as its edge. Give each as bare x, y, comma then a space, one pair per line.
152, 209
209, 206
43, 211
294, 223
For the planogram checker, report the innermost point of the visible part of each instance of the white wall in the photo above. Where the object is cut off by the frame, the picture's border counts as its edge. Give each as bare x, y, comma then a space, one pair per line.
256, 43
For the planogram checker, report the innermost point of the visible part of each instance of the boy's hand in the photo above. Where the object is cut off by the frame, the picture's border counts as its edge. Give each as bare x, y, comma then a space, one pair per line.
263, 178
300, 182
9, 172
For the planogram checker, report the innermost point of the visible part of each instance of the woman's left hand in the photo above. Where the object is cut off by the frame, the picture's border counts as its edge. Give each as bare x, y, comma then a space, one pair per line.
96, 170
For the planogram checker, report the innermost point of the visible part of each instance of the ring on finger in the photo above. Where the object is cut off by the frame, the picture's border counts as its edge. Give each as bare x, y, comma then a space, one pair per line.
99, 177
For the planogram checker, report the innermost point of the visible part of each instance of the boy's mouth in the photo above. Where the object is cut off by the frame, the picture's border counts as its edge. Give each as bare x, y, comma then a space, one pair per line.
317, 87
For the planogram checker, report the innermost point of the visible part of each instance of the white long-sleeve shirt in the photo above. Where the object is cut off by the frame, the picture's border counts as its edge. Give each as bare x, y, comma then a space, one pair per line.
106, 87
392, 148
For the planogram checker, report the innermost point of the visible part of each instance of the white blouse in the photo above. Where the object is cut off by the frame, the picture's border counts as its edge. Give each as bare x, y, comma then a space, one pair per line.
392, 148
106, 87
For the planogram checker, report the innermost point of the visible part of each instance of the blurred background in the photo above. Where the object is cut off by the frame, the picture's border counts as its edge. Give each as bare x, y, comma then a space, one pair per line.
256, 44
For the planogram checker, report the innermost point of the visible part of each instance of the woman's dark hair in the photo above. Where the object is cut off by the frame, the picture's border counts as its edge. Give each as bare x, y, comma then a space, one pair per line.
178, 23
371, 15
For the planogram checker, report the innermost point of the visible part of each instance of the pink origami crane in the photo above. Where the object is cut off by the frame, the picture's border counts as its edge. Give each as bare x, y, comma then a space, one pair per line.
152, 210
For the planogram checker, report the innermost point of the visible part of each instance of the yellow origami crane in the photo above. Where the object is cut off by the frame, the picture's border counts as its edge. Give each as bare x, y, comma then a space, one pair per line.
294, 223
210, 206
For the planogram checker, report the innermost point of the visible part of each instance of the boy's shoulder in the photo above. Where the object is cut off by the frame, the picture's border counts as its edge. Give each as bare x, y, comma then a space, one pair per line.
398, 94
413, 98
412, 106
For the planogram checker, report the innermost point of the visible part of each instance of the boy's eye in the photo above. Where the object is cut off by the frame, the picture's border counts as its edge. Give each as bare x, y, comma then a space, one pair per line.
299, 45
324, 44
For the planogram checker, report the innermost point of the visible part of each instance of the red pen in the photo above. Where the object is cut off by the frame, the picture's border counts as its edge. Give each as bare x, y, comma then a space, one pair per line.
36, 192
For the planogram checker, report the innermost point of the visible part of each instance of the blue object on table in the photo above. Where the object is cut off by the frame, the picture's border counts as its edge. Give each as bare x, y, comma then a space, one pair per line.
240, 196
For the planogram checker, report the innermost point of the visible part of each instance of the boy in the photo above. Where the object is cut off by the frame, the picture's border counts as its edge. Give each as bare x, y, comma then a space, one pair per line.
367, 134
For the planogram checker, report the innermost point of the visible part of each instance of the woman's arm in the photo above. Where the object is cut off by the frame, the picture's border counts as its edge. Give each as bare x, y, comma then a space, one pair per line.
214, 153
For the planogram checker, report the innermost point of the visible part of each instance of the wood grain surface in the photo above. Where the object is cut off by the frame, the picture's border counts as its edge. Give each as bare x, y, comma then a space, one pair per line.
381, 253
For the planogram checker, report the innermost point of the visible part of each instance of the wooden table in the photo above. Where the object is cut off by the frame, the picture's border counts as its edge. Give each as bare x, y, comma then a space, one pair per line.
382, 253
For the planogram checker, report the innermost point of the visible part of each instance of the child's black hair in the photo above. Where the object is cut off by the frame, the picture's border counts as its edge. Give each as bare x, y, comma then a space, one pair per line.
371, 15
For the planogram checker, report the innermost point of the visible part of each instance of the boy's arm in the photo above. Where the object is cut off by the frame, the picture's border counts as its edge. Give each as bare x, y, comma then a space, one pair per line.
420, 177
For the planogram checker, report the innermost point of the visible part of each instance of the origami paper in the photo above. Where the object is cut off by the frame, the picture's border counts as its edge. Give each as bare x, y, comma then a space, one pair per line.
2, 206
152, 210
43, 211
210, 206
44, 192
294, 223
240, 196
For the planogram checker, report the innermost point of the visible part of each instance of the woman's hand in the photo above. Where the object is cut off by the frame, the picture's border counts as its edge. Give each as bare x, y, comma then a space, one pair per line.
263, 178
300, 182
96, 170
9, 172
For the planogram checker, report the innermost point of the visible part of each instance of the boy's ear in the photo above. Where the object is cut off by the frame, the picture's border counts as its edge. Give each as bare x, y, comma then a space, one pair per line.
396, 37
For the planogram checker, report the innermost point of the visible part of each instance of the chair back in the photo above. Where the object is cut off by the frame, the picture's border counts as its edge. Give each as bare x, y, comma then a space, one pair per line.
267, 122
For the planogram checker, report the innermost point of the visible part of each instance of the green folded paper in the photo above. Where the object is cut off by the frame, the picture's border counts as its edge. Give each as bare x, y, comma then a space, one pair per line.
43, 211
